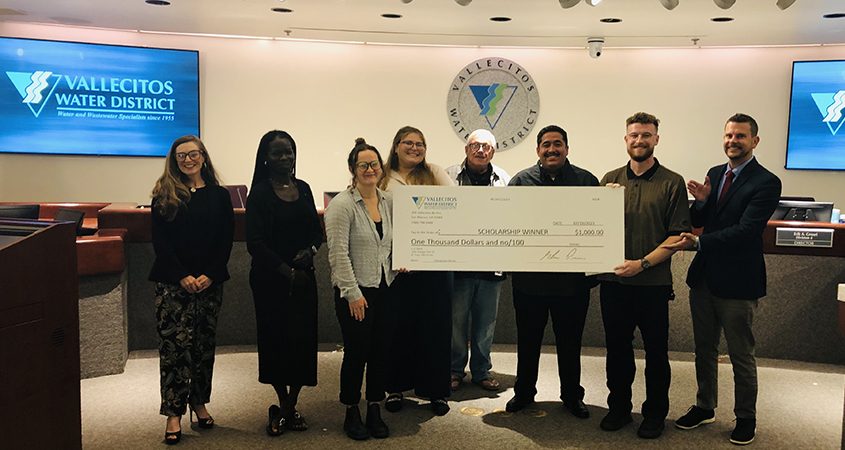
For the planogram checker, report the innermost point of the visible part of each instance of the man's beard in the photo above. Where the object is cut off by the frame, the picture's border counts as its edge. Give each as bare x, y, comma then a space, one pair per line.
641, 157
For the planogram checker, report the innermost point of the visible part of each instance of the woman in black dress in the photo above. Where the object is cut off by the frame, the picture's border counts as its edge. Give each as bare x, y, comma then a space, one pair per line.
192, 236
283, 233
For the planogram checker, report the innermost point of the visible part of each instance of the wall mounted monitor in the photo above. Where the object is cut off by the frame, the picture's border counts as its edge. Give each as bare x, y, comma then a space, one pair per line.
75, 98
816, 138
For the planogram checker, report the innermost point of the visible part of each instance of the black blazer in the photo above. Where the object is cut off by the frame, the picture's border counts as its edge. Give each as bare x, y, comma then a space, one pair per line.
731, 257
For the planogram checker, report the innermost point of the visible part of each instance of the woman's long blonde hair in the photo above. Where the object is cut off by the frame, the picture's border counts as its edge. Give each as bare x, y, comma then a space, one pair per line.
171, 191
420, 175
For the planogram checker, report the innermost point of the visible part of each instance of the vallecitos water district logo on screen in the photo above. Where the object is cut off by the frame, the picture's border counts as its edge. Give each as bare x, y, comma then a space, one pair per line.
830, 106
96, 97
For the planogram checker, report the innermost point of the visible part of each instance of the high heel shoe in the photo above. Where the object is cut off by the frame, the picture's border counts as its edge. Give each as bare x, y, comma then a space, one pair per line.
205, 423
172, 437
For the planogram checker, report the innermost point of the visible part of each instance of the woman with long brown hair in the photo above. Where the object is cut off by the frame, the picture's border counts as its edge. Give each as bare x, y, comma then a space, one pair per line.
420, 358
192, 231
359, 229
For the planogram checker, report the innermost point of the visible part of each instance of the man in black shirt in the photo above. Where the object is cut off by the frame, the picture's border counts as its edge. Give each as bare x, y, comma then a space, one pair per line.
564, 296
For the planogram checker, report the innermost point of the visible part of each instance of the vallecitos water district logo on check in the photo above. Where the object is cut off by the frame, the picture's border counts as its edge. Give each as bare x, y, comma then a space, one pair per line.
496, 94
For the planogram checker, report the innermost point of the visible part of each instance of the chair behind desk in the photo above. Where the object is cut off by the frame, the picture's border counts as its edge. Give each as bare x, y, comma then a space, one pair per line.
237, 192
20, 211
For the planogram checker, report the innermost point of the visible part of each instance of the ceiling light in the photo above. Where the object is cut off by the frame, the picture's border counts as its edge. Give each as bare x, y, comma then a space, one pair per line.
783, 4
568, 3
669, 4
724, 4
463, 2
593, 2
407, 1
157, 2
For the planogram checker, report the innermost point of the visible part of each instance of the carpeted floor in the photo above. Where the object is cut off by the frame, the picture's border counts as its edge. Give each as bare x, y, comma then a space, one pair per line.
800, 406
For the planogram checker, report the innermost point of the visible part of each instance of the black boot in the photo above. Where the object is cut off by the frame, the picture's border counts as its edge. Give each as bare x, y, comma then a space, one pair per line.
378, 429
352, 424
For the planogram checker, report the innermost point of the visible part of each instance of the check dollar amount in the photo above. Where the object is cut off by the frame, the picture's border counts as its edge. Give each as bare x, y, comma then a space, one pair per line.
529, 229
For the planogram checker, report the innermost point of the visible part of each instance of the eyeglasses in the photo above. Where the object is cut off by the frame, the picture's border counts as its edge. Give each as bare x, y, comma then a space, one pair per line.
478, 145
420, 145
192, 155
363, 166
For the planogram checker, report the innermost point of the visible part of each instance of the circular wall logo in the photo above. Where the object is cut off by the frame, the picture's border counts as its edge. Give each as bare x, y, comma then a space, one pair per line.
496, 94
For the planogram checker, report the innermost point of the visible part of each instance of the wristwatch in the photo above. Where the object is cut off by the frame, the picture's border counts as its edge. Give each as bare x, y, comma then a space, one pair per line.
646, 264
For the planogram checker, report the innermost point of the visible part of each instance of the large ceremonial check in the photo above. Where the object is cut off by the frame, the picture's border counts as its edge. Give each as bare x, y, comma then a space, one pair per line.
511, 229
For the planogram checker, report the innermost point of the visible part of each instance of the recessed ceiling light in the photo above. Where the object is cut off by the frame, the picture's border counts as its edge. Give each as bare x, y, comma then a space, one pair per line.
834, 16
610, 20
157, 2
281, 10
722, 19
500, 19
391, 16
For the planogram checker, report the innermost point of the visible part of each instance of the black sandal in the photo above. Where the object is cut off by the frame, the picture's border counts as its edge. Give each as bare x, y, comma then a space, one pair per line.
172, 437
295, 422
394, 402
276, 423
205, 423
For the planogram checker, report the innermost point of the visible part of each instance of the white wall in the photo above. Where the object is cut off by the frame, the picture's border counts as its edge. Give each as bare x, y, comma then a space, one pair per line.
326, 95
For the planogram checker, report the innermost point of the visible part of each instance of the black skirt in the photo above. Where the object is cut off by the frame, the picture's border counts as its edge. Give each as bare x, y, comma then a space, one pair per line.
286, 321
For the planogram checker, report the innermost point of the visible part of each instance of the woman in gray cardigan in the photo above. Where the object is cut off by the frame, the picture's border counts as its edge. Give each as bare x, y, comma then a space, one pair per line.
359, 233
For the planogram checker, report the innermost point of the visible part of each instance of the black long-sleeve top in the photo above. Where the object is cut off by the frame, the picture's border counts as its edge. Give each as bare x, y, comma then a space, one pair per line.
276, 229
553, 283
197, 241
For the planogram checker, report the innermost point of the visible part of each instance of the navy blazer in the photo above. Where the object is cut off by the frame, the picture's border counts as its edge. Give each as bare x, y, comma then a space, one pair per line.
731, 257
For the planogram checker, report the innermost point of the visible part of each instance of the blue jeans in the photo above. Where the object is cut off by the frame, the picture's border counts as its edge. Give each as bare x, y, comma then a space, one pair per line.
478, 300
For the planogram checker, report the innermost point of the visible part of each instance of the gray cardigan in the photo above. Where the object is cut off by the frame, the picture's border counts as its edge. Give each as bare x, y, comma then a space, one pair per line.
356, 254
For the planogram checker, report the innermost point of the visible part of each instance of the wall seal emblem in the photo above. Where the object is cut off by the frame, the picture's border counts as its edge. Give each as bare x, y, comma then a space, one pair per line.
496, 94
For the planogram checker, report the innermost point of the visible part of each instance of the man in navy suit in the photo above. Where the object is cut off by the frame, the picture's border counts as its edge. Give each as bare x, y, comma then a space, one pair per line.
728, 274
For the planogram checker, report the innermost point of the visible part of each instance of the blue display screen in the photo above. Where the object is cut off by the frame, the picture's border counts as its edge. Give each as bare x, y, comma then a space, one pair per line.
90, 99
816, 115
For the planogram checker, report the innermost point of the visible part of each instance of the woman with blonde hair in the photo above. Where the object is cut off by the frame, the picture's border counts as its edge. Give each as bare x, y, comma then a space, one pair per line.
420, 358
192, 231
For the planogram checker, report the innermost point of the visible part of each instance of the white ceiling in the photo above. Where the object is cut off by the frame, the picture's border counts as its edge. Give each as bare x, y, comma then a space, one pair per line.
536, 23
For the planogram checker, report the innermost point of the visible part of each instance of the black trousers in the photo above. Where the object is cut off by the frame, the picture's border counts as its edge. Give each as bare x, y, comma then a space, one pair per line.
365, 344
623, 308
568, 315
421, 354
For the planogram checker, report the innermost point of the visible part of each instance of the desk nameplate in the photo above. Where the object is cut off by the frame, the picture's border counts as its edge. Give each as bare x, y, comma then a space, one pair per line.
804, 237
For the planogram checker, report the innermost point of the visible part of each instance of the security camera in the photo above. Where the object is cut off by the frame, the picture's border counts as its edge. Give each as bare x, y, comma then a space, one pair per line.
594, 46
